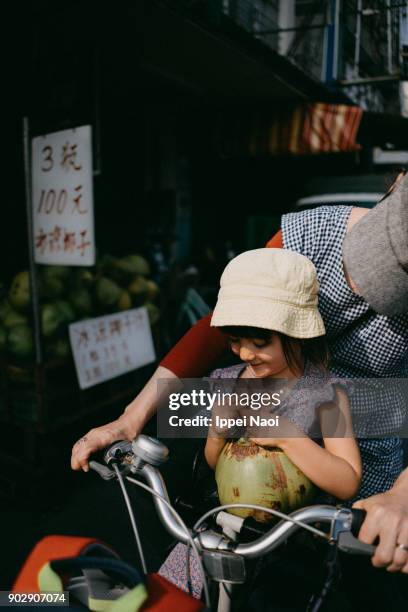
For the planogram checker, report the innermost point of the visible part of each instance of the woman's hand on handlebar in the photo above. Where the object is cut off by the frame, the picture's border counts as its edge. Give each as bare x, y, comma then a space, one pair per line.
387, 520
97, 439
130, 423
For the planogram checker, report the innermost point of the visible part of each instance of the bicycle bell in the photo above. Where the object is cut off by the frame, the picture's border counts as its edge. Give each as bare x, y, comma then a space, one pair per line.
148, 450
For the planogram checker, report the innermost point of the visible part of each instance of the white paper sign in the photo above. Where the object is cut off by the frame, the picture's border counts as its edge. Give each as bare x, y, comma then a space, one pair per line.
111, 345
62, 189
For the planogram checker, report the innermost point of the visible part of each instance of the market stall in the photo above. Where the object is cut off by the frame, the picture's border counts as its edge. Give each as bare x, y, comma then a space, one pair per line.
78, 330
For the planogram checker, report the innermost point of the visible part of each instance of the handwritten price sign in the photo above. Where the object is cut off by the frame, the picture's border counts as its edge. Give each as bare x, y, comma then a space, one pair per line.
111, 345
63, 216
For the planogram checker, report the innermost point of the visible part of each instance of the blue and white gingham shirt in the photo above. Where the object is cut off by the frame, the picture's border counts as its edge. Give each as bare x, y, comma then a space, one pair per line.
362, 344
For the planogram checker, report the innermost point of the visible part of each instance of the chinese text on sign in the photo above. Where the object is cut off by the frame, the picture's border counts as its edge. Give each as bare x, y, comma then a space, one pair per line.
63, 216
111, 345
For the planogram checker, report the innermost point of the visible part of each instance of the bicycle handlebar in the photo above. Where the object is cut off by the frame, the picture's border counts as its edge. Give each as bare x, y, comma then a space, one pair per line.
343, 521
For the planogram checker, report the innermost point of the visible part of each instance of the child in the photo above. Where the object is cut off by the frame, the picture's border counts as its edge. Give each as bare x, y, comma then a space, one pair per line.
268, 307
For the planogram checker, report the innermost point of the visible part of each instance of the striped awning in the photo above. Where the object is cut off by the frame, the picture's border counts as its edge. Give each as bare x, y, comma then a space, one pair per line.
303, 130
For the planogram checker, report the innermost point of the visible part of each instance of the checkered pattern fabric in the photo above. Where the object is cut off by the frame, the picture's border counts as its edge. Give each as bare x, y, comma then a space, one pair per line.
363, 344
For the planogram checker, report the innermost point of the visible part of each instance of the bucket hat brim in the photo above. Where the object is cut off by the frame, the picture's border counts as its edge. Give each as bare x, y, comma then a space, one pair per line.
292, 320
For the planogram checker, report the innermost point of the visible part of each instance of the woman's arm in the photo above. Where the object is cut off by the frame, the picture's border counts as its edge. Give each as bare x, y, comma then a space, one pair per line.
276, 242
129, 424
198, 350
336, 468
195, 354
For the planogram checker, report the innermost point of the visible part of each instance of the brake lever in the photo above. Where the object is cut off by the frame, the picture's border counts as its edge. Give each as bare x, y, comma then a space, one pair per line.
103, 471
121, 453
352, 545
341, 534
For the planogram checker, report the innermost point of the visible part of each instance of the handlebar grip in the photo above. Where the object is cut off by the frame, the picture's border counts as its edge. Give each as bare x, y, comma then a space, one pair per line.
358, 518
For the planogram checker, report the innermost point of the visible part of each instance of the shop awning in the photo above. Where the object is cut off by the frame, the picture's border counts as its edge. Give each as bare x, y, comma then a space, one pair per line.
306, 129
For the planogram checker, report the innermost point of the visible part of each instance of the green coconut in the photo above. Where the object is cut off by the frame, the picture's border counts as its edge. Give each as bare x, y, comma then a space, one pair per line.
53, 282
82, 277
66, 310
61, 272
60, 349
251, 474
125, 268
124, 301
51, 319
20, 341
153, 312
137, 264
12, 318
153, 290
104, 264
4, 309
139, 290
81, 300
19, 294
107, 291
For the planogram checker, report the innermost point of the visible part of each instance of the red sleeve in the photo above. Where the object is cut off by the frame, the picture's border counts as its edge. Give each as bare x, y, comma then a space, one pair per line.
276, 242
199, 349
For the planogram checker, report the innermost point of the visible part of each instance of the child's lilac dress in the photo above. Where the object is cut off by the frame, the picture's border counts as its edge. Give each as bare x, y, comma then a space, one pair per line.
316, 387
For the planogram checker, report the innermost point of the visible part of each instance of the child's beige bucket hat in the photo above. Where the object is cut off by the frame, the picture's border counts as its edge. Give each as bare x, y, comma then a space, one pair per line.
272, 289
